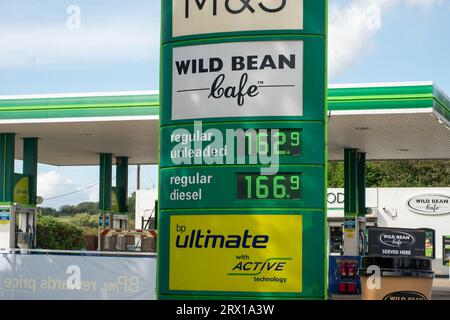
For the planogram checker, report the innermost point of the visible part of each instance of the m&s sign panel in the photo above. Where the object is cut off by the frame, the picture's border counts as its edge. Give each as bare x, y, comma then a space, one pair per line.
190, 16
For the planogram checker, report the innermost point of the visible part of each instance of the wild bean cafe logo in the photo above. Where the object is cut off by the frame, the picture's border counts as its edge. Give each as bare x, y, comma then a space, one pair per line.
244, 265
243, 89
397, 239
237, 79
405, 296
429, 204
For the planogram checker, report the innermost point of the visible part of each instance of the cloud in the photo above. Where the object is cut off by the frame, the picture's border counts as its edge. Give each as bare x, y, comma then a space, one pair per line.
353, 27
94, 193
425, 4
58, 190
49, 46
52, 183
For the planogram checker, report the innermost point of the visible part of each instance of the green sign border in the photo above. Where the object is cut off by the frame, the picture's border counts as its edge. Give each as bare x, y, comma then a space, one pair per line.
314, 86
314, 267
314, 23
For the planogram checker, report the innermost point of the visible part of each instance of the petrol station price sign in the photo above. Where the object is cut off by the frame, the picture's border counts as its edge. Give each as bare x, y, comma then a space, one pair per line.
242, 176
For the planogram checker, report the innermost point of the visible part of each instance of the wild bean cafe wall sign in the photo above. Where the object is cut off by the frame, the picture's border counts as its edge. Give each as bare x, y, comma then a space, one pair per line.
242, 178
396, 242
429, 204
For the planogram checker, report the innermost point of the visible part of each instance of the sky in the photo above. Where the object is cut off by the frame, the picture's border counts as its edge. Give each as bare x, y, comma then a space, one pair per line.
49, 46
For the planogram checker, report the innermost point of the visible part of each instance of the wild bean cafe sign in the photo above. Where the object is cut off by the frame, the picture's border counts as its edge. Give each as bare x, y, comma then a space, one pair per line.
237, 80
396, 242
429, 204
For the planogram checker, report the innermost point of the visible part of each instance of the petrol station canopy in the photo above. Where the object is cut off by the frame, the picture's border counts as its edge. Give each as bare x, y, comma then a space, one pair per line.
385, 120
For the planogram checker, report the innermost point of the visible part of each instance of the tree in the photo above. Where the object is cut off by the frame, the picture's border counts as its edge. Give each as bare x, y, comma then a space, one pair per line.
67, 210
88, 207
85, 220
397, 173
132, 205
374, 175
131, 210
56, 235
47, 211
418, 173
336, 174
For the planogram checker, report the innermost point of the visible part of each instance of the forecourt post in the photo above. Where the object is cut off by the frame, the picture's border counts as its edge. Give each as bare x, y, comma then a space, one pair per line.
242, 177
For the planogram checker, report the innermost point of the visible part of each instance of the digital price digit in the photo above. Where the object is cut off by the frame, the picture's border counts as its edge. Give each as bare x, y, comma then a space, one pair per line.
283, 142
282, 186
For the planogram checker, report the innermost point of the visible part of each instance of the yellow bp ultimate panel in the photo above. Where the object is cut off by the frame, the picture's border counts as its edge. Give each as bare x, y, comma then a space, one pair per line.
236, 253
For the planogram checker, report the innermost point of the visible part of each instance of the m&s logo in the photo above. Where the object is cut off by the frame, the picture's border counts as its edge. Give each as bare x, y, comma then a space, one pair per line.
195, 17
234, 6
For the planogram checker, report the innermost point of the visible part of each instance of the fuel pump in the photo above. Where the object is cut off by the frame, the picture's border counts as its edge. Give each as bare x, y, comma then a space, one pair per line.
362, 240
17, 227
25, 227
107, 222
104, 224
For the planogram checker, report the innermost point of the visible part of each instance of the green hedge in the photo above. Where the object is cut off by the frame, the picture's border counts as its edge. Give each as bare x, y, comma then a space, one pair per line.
56, 235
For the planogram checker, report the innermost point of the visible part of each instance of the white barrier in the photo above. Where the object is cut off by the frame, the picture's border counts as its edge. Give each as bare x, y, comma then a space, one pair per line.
83, 276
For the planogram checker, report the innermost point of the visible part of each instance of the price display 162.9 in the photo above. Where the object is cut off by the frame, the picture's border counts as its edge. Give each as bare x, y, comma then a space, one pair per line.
281, 142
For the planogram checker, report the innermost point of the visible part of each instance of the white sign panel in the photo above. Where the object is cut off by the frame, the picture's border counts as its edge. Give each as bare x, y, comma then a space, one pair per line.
245, 79
145, 206
429, 204
192, 17
335, 198
74, 277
